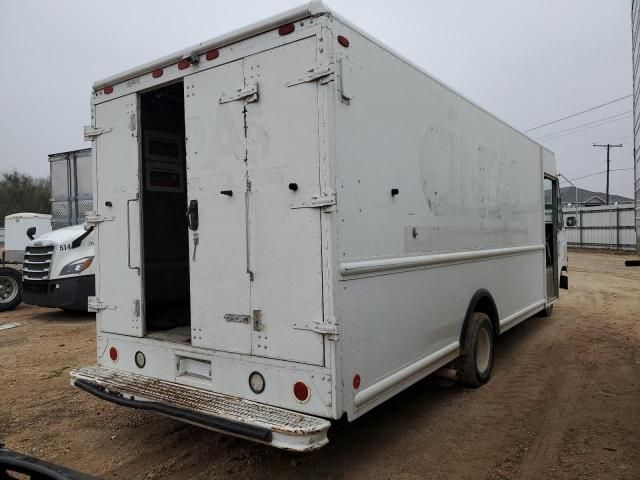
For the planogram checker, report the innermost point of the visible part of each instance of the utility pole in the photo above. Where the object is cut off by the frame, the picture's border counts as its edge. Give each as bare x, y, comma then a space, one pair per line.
608, 146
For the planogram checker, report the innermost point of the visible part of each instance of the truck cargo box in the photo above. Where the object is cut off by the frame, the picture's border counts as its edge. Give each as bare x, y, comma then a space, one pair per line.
294, 223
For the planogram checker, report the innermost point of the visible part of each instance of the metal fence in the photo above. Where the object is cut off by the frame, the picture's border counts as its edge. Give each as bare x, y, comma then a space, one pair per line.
607, 226
71, 187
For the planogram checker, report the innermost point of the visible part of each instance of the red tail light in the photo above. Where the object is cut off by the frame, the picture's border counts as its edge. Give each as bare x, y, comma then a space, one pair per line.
108, 90
356, 381
113, 354
301, 391
183, 64
157, 73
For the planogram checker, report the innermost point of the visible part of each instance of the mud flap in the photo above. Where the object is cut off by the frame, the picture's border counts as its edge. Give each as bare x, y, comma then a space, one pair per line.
564, 281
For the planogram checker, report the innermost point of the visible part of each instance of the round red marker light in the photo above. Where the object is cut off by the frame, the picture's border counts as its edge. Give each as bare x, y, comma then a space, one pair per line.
108, 90
183, 64
286, 29
113, 354
344, 41
356, 381
157, 73
212, 54
301, 391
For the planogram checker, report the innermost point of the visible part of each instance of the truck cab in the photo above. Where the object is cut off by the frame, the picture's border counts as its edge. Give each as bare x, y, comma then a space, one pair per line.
58, 269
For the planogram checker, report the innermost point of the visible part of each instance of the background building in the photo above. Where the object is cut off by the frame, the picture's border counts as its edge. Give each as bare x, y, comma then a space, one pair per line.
588, 198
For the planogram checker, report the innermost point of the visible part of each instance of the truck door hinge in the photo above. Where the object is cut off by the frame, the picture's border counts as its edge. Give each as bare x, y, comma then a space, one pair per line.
237, 318
91, 132
248, 93
324, 73
328, 329
94, 304
317, 201
93, 218
257, 320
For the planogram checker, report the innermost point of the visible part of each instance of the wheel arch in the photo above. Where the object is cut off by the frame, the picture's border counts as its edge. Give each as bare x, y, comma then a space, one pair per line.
481, 301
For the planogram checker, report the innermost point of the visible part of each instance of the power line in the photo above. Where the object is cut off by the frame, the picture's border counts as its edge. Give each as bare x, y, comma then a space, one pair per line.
578, 128
579, 113
582, 149
597, 173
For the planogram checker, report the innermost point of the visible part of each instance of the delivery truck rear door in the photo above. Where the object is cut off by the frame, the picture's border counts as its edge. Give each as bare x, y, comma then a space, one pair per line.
285, 239
118, 286
253, 167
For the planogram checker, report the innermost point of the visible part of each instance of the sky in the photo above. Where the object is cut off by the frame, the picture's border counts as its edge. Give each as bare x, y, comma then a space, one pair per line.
528, 62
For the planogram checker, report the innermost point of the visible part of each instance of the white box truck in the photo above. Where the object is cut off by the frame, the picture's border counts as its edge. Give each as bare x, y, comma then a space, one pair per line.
352, 225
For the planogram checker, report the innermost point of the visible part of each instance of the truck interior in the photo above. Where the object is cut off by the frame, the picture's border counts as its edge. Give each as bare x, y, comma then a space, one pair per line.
165, 266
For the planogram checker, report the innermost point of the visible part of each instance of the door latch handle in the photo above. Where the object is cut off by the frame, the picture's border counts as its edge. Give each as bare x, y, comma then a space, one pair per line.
192, 215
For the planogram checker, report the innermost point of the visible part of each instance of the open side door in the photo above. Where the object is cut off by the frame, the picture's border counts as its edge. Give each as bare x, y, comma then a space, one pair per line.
117, 217
551, 237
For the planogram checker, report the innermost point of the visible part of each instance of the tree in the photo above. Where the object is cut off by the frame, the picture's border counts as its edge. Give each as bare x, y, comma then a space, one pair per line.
21, 192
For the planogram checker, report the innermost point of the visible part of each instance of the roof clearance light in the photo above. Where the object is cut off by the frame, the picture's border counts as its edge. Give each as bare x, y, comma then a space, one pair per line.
157, 73
108, 90
212, 54
344, 41
301, 391
183, 64
286, 29
113, 354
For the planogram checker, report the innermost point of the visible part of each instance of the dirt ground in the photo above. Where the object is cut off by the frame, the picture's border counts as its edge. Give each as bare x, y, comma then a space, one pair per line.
564, 402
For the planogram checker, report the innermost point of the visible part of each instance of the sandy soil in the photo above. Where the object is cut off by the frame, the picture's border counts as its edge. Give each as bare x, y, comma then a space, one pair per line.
564, 402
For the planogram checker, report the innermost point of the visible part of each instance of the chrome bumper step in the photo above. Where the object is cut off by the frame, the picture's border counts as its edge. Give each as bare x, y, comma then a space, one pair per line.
223, 413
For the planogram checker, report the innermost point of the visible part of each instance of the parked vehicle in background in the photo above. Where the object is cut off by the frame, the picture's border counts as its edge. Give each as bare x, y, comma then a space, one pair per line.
58, 267
20, 228
353, 225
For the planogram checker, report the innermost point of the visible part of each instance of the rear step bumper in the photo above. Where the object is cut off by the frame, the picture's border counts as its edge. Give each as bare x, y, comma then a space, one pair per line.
223, 413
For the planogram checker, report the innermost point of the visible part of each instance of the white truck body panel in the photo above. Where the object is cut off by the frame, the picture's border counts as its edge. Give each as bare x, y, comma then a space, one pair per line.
117, 183
351, 207
15, 235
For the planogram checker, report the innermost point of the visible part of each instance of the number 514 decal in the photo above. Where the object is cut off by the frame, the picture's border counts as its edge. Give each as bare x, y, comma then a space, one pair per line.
65, 247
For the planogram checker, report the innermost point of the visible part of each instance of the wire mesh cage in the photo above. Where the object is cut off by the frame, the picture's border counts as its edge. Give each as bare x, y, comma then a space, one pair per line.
71, 187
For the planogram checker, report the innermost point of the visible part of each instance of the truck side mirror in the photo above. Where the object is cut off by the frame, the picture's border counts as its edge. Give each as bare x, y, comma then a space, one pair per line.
31, 232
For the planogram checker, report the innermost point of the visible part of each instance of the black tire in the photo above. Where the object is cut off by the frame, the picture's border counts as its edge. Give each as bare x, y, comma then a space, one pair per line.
548, 310
10, 289
476, 356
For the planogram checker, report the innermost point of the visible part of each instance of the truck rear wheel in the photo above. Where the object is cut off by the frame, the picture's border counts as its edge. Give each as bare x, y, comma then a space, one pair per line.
476, 356
10, 289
